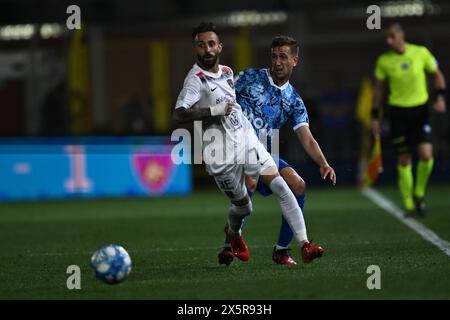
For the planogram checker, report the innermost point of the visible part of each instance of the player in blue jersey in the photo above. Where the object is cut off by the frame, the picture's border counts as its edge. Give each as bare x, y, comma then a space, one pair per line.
269, 101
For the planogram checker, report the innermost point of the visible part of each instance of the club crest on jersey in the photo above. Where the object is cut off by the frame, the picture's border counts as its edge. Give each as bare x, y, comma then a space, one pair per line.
230, 83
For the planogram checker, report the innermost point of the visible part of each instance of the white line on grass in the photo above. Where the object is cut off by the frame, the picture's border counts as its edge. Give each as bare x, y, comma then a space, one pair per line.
419, 228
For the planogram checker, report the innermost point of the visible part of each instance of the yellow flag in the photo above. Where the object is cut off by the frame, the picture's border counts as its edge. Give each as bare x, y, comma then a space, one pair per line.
371, 163
375, 164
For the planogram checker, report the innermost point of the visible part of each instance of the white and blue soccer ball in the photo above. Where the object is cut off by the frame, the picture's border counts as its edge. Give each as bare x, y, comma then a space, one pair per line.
111, 263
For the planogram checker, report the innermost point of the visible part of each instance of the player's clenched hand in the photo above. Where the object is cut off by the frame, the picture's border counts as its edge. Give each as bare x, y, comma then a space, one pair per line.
328, 171
439, 105
221, 109
229, 109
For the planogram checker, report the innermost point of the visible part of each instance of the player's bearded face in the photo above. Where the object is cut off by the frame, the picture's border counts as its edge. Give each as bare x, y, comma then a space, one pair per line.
283, 61
207, 48
208, 60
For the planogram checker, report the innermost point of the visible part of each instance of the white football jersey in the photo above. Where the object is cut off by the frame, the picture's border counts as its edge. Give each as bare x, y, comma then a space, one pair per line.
203, 89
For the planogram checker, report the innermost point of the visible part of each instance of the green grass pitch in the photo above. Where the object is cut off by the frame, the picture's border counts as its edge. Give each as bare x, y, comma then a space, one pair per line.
173, 243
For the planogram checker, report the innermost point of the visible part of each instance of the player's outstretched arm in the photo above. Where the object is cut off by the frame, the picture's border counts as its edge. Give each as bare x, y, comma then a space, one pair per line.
313, 149
185, 115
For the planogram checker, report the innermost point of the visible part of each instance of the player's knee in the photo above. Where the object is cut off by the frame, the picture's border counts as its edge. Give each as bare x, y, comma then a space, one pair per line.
298, 187
279, 187
242, 210
242, 201
425, 155
404, 160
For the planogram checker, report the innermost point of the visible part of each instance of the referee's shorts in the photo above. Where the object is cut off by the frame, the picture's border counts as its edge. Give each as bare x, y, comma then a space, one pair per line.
409, 127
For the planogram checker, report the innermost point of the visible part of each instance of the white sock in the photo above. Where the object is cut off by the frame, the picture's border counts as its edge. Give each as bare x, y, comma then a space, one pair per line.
235, 216
289, 206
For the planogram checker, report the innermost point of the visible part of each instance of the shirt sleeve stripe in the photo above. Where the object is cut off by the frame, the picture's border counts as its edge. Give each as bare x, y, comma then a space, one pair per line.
300, 125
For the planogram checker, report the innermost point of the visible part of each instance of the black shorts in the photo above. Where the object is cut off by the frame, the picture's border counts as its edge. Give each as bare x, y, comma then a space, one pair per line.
409, 127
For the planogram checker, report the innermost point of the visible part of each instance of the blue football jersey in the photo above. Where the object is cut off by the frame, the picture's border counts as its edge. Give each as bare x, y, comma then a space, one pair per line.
266, 105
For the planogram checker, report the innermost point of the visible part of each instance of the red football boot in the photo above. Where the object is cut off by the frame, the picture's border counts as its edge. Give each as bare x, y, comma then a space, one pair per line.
282, 256
240, 249
226, 256
238, 246
310, 252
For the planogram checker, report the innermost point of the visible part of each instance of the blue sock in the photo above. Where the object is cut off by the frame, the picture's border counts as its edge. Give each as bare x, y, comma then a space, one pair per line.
286, 235
301, 201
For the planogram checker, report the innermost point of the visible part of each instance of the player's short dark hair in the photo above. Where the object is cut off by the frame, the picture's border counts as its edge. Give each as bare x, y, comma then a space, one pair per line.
396, 26
204, 27
280, 41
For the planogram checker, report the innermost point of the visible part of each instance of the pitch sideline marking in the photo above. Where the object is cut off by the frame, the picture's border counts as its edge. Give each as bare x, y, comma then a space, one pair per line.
416, 226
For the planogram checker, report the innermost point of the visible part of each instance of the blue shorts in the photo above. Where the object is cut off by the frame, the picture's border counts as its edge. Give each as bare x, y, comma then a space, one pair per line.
265, 190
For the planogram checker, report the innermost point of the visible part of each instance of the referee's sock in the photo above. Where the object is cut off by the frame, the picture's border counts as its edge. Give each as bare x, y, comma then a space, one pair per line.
405, 184
423, 172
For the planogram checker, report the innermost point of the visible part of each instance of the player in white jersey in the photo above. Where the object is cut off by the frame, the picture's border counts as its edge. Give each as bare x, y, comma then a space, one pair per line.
208, 95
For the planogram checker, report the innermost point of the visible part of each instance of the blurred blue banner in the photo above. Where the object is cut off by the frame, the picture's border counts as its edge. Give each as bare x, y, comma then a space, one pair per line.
86, 167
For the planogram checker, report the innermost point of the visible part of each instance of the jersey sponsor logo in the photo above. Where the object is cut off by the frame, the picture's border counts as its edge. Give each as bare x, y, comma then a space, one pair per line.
212, 89
257, 122
220, 99
234, 118
229, 98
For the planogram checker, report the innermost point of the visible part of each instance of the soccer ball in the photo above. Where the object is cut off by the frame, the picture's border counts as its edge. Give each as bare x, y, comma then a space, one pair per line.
111, 263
